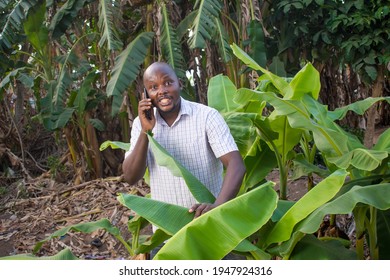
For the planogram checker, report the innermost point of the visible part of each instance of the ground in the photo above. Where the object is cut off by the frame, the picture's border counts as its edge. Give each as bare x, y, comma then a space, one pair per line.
42, 206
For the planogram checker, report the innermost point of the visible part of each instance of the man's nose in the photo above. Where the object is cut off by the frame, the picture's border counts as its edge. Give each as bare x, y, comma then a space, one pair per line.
162, 89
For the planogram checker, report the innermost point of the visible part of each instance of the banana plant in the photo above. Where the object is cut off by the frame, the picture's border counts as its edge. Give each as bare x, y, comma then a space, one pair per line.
294, 103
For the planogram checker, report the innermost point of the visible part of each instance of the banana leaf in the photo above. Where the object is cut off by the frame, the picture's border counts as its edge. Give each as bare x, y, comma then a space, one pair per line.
322, 193
377, 196
82, 227
383, 233
363, 159
312, 248
163, 158
127, 67
217, 232
168, 217
114, 145
171, 218
220, 94
65, 254
359, 107
282, 85
383, 143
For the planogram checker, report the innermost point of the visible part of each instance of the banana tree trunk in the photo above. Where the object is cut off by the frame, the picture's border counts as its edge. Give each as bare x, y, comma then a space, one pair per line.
377, 90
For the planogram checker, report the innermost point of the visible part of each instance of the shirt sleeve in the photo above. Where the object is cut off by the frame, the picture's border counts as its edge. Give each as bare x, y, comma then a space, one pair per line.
220, 139
135, 133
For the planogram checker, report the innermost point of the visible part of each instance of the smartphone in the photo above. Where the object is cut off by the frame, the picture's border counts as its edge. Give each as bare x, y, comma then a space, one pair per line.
148, 113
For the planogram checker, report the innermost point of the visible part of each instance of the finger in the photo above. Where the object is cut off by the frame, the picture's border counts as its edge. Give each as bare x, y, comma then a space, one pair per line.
193, 208
199, 211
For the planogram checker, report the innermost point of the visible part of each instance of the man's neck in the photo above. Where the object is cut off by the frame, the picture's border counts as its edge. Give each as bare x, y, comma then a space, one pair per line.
170, 117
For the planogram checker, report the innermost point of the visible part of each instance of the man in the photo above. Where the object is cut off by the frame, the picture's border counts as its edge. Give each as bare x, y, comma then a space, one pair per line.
194, 134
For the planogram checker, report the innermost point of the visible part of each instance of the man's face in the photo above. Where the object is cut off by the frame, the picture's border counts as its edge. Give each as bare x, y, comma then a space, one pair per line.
163, 87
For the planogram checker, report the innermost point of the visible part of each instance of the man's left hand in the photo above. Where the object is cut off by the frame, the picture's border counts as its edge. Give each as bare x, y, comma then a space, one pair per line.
202, 208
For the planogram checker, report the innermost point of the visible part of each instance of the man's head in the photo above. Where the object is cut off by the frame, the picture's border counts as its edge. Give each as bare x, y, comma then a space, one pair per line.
163, 87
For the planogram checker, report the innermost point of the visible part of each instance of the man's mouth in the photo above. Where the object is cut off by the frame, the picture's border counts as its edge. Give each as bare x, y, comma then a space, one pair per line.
165, 101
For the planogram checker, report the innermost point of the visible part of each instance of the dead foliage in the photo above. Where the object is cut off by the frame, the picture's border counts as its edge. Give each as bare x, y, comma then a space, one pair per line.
42, 206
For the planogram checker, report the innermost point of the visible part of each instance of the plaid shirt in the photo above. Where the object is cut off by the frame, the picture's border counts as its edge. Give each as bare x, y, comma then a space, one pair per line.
197, 138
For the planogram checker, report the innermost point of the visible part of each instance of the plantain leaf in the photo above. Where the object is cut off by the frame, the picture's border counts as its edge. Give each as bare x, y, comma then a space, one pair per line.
359, 107
220, 93
377, 196
163, 158
170, 45
219, 231
127, 67
82, 227
305, 82
114, 145
257, 42
323, 192
108, 18
12, 25
221, 39
204, 23
36, 32
363, 159
168, 217
64, 254
328, 141
383, 143
311, 248
383, 233
65, 16
283, 86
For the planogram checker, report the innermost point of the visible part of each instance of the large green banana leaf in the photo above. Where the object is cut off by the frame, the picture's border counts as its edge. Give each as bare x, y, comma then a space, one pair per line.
282, 85
163, 158
327, 140
220, 94
168, 217
65, 254
322, 193
377, 196
171, 218
219, 231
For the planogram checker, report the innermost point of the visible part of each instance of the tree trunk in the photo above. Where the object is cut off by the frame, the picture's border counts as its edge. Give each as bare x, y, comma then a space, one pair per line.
377, 89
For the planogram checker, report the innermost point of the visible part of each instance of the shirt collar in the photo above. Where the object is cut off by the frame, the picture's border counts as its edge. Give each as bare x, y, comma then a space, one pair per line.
185, 109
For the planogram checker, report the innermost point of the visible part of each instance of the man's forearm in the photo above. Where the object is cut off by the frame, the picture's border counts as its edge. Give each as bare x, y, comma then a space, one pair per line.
134, 164
235, 172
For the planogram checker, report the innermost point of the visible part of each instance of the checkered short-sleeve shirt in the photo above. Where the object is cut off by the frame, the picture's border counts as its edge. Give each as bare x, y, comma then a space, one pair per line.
197, 139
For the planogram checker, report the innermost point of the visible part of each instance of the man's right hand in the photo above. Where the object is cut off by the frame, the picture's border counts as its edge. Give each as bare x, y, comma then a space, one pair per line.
143, 106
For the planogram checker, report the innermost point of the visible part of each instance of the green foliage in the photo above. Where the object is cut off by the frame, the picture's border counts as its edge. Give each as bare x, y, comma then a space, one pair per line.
127, 67
204, 23
12, 17
109, 17
65, 254
170, 45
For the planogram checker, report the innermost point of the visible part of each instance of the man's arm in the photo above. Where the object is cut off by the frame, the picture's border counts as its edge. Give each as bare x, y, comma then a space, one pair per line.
235, 171
134, 165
